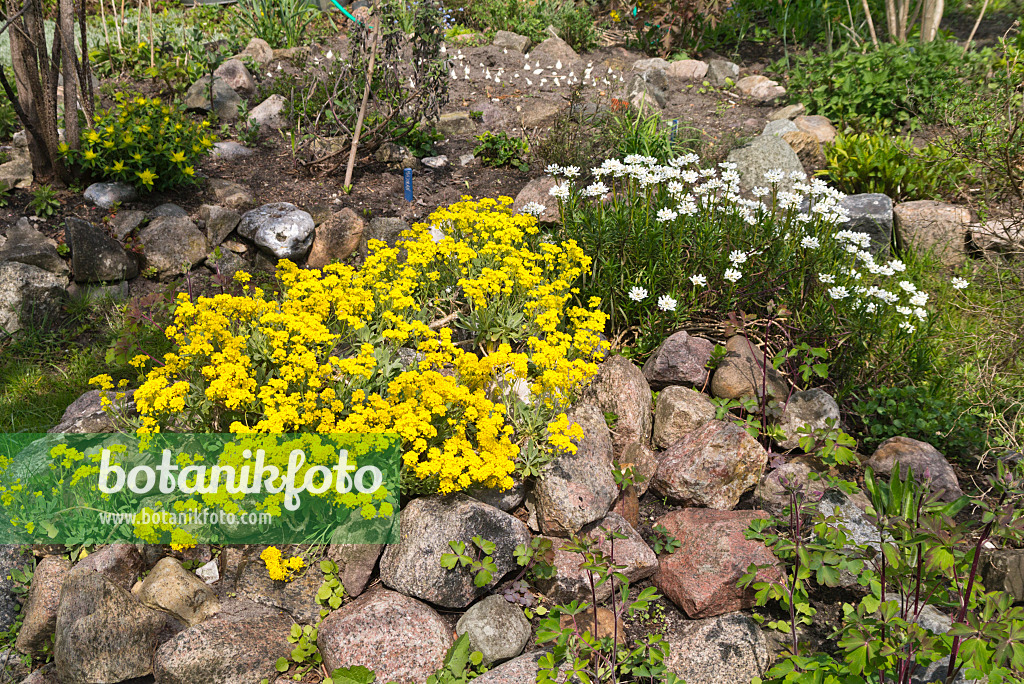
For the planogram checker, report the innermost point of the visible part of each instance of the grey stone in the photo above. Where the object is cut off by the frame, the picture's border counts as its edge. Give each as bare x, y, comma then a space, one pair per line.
719, 70
870, 213
27, 294
861, 531
40, 612
931, 226
26, 245
259, 50
227, 263
765, 153
680, 411
922, 459
813, 408
642, 92
788, 112
455, 123
238, 78
356, 563
554, 50
538, 113
173, 589
727, 649
467, 159
388, 229
818, 126
297, 597
397, 637
760, 88
413, 566
772, 494
120, 563
496, 628
712, 466
225, 99
229, 149
507, 500
536, 191
511, 41
779, 127
103, 633
1003, 570
125, 221
86, 415
745, 372
13, 667
106, 195
521, 670
336, 239
220, 221
687, 69
279, 229
116, 292
679, 360
435, 162
270, 113
17, 173
577, 489
572, 582
95, 256
230, 194
172, 245
620, 388
168, 210
240, 645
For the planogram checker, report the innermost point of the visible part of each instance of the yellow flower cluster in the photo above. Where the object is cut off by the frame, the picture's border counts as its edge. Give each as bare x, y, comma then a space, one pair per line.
283, 570
484, 315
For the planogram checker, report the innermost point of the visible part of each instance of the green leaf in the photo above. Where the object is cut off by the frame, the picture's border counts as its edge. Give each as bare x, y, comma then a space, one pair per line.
281, 665
356, 674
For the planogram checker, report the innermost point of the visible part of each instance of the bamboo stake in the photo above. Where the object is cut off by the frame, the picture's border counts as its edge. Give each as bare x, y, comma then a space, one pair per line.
152, 41
871, 23
117, 24
103, 18
138, 25
362, 111
974, 30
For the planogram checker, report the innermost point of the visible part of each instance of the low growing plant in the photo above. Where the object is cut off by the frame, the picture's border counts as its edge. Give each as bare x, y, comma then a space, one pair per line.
767, 257
501, 149
143, 142
233, 368
893, 166
44, 202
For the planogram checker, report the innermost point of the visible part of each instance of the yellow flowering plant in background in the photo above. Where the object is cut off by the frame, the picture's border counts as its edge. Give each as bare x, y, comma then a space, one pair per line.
143, 142
463, 340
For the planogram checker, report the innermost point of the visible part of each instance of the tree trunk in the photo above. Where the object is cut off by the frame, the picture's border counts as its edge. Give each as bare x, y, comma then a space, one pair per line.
36, 71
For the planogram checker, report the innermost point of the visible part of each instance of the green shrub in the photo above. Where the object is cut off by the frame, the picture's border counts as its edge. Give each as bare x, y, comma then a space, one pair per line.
867, 162
762, 259
44, 202
920, 413
573, 22
883, 88
501, 149
144, 142
282, 23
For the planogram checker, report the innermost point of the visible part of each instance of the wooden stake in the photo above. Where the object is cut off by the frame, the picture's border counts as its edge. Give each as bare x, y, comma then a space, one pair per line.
974, 30
362, 111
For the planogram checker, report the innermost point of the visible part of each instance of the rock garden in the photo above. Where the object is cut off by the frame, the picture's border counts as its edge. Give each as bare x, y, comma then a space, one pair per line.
696, 329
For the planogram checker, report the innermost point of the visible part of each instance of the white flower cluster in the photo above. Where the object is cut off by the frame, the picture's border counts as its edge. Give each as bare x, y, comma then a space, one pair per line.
812, 204
557, 74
